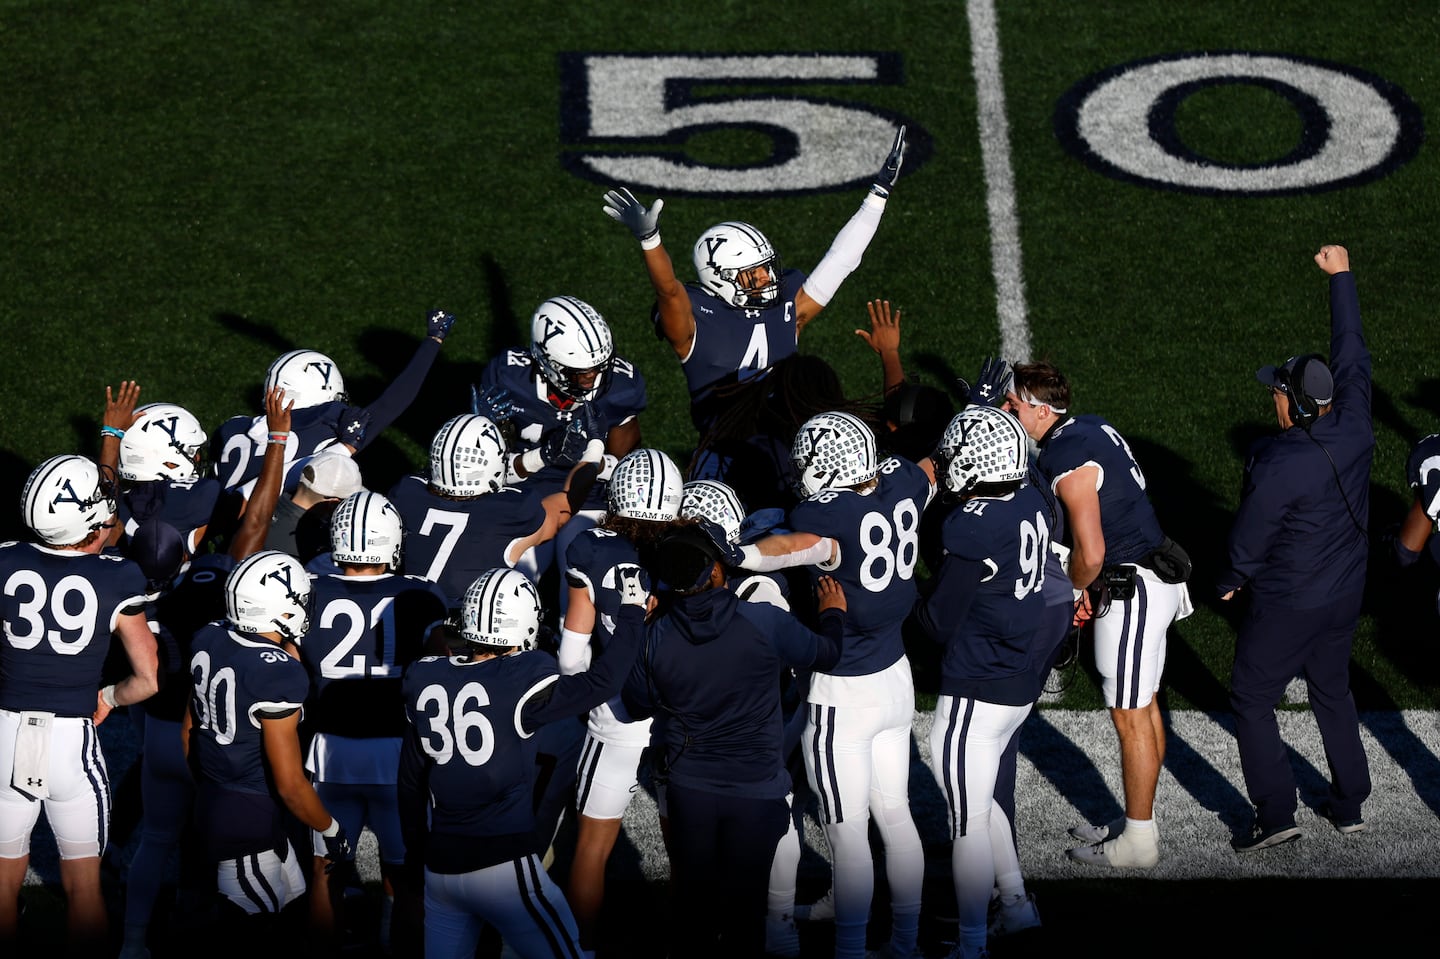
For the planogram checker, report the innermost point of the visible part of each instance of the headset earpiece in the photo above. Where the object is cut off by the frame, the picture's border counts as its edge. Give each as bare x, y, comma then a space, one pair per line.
1303, 408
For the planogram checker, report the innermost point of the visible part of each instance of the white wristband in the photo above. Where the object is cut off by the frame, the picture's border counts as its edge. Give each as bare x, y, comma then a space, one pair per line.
651, 241
330, 831
108, 694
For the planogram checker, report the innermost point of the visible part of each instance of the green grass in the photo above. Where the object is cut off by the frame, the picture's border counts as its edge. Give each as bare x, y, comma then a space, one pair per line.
187, 190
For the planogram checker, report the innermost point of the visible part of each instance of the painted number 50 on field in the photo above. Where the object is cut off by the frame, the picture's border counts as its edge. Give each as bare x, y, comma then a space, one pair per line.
635, 113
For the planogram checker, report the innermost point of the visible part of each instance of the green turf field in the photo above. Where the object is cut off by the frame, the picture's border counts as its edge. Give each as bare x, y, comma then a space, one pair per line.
189, 190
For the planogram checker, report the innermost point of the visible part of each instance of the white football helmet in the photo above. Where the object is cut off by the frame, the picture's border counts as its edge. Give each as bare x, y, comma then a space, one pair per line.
366, 530
726, 256
715, 501
307, 377
833, 451
164, 442
646, 485
501, 609
467, 457
66, 498
569, 338
982, 444
269, 592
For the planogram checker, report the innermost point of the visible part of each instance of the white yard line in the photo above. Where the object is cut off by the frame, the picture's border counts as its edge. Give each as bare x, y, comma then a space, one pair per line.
999, 182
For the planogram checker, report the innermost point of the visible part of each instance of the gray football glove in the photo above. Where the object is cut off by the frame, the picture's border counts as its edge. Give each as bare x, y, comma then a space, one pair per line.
890, 172
621, 205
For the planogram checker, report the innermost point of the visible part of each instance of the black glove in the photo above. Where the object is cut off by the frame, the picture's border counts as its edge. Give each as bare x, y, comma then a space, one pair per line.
993, 383
565, 447
354, 424
337, 850
621, 205
890, 172
438, 324
495, 403
730, 554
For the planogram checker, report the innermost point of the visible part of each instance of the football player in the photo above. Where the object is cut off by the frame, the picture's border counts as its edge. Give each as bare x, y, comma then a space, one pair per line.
745, 313
160, 462
573, 400
1114, 537
468, 766
323, 416
986, 607
644, 496
709, 670
369, 625
1422, 474
60, 603
461, 519
179, 609
859, 524
242, 742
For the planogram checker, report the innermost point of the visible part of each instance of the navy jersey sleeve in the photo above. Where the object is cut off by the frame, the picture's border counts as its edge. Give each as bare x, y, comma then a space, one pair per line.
402, 390
793, 641
580, 692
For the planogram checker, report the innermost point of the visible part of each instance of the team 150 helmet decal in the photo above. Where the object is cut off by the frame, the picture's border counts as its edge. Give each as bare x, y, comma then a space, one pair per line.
633, 114
1356, 126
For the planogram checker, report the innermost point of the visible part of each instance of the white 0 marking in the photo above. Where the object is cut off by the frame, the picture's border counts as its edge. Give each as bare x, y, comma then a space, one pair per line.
1114, 122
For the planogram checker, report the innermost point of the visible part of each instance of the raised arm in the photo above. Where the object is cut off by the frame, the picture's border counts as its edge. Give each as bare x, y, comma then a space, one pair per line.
851, 242
672, 300
260, 508
883, 338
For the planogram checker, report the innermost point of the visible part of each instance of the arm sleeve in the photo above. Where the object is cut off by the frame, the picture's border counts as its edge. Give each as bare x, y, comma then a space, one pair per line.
1258, 520
582, 692
402, 390
1349, 356
846, 250
758, 563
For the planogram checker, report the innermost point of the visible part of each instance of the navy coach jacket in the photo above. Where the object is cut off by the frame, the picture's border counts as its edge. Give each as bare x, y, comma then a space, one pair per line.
1299, 539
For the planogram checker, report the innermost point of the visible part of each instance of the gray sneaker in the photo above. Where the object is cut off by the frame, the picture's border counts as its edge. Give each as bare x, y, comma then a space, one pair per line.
1085, 832
1344, 827
1265, 838
1009, 918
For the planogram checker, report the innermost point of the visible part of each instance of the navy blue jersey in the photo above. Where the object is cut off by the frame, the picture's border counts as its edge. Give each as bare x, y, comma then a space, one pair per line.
540, 413
1126, 517
594, 560
878, 537
197, 599
467, 769
241, 441
236, 680
1299, 540
734, 343
988, 601
186, 505
58, 609
709, 671
366, 630
451, 541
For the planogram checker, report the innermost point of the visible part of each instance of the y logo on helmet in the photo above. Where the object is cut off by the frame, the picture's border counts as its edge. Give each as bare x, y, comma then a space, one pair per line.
553, 328
815, 434
712, 246
324, 369
168, 426
67, 494
281, 575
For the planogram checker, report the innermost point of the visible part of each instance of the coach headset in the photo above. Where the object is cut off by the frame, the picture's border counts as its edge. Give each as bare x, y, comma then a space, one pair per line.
1304, 411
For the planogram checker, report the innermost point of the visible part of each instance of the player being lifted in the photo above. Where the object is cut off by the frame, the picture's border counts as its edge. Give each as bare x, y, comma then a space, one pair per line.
746, 312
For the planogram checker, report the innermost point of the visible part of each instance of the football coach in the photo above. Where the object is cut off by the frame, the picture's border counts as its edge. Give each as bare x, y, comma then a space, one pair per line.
1298, 548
